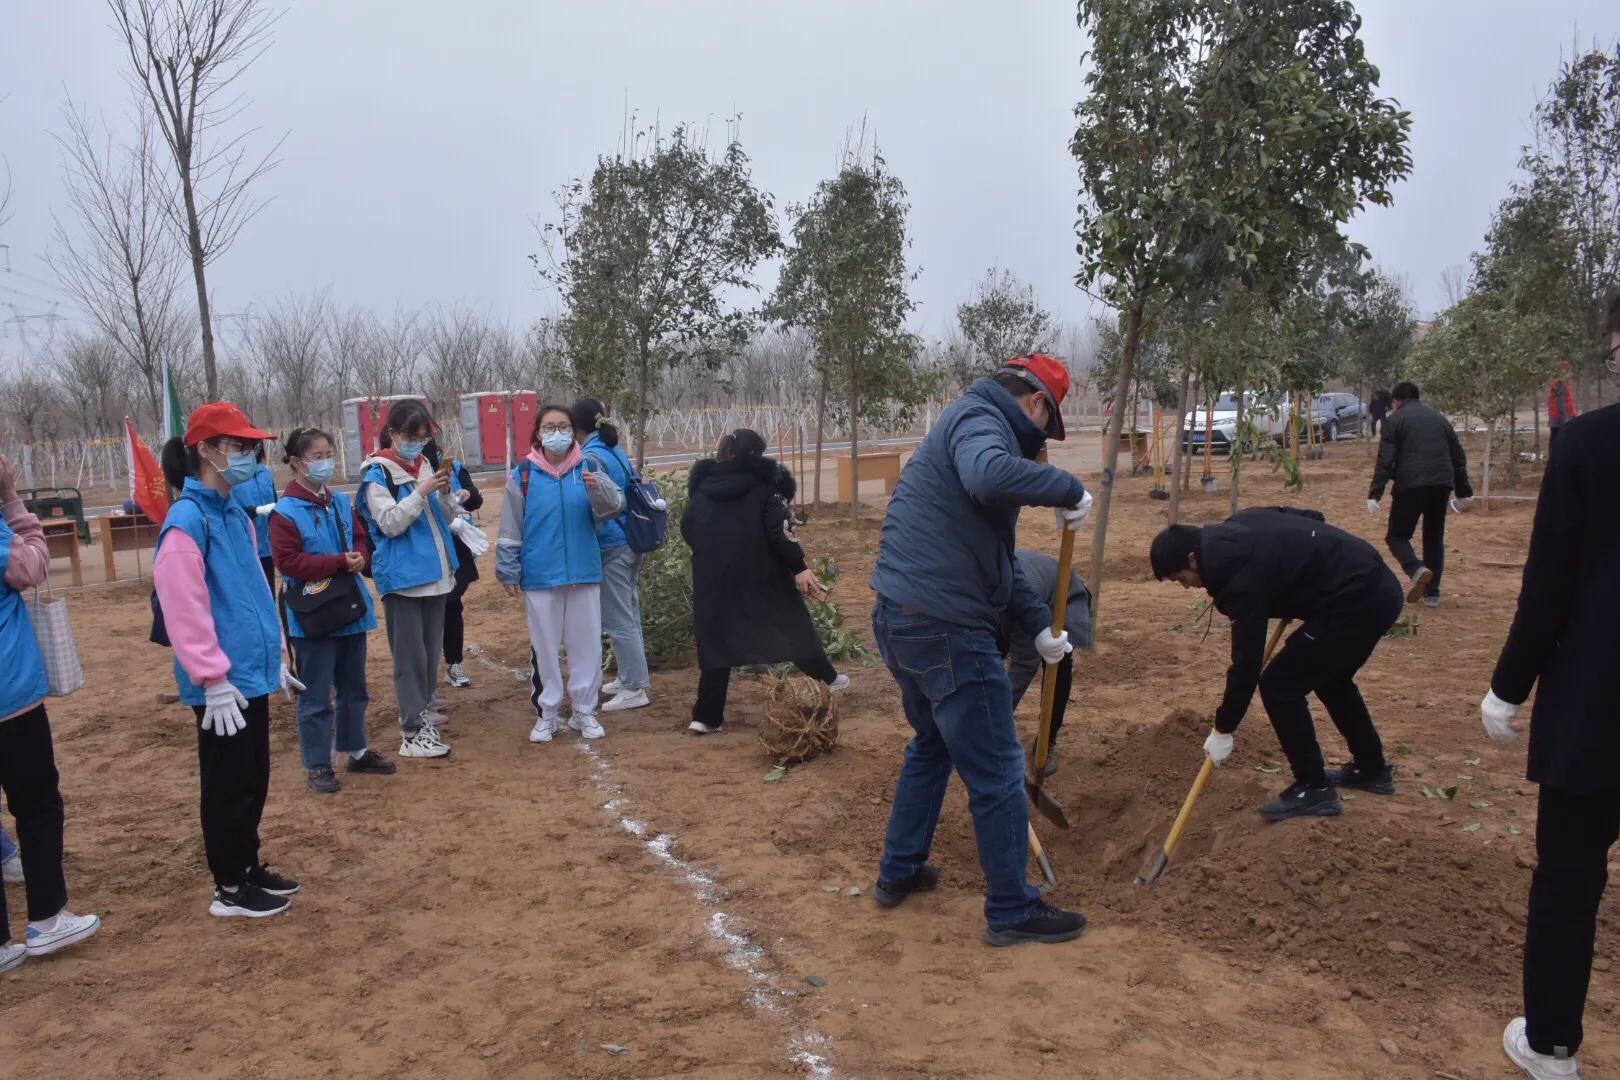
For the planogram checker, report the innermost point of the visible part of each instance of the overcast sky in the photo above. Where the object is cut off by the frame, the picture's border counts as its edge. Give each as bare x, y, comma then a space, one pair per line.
422, 139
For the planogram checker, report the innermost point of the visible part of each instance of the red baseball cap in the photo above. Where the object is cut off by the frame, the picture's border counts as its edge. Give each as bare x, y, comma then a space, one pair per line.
221, 419
1051, 378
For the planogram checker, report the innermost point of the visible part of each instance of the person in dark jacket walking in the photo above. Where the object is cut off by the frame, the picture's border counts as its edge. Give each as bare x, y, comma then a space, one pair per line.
748, 572
470, 499
945, 574
1282, 563
1378, 408
1563, 641
1420, 453
1024, 661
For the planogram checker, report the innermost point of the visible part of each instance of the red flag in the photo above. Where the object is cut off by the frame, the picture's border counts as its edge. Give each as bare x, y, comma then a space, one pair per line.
146, 484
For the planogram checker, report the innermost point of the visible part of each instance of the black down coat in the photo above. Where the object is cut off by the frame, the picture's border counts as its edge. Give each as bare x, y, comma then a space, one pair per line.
745, 607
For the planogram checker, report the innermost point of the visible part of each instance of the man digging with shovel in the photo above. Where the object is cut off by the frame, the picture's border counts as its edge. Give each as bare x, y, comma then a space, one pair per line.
1279, 562
945, 573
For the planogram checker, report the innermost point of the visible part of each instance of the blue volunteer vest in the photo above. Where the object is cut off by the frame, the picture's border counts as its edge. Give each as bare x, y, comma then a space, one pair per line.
238, 597
22, 669
411, 558
324, 530
559, 530
610, 533
250, 496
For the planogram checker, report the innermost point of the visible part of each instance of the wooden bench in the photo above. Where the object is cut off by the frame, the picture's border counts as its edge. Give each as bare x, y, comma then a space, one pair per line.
62, 539
885, 467
125, 532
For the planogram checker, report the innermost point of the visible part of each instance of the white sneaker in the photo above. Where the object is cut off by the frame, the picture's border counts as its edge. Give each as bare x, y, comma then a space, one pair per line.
456, 676
11, 956
612, 688
839, 684
586, 725
543, 730
424, 744
1516, 1044
627, 699
12, 870
697, 727
59, 931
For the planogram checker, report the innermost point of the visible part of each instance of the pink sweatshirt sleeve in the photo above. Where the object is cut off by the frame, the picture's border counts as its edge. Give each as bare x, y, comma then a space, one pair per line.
177, 573
30, 558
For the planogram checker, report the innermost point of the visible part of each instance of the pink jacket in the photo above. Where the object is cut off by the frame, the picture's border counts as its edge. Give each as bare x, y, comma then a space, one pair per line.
30, 558
177, 574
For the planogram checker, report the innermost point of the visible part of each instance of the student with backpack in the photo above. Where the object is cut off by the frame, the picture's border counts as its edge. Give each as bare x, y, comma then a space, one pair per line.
221, 621
414, 564
319, 543
548, 556
257, 497
621, 564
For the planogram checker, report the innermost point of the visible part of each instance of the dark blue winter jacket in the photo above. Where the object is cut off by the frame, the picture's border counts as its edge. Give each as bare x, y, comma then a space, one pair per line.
948, 538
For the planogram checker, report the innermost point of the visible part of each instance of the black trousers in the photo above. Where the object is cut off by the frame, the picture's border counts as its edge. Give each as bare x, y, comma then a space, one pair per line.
1431, 505
713, 684
1574, 832
269, 566
28, 777
1325, 664
235, 775
455, 627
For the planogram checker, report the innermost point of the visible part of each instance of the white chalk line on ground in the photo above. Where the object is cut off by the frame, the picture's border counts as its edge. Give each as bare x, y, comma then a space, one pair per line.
807, 1048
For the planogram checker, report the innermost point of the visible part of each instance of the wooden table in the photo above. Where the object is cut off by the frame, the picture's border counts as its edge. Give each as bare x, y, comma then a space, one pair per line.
125, 532
885, 467
62, 538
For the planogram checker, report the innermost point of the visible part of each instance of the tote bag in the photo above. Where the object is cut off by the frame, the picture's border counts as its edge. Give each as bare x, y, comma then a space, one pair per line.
54, 630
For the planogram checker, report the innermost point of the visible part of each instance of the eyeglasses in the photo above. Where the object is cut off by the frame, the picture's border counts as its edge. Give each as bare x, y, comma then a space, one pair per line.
233, 446
556, 429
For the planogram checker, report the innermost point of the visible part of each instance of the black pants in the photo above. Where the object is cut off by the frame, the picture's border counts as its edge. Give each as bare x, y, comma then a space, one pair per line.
269, 566
1024, 674
455, 627
1430, 504
1574, 832
235, 775
28, 777
1325, 663
1552, 436
713, 683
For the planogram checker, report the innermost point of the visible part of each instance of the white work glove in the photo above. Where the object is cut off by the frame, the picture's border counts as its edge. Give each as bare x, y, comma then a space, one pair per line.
463, 495
1072, 517
1218, 746
1372, 506
1497, 716
1053, 647
471, 535
264, 511
222, 708
289, 683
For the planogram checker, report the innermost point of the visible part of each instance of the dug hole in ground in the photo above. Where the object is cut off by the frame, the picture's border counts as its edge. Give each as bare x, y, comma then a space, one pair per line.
649, 906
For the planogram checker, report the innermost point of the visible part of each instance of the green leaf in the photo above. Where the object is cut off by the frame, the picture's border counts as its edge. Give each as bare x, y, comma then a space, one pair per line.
1514, 830
776, 774
1475, 827
1403, 751
1479, 804
1471, 761
815, 980
1427, 794
1449, 792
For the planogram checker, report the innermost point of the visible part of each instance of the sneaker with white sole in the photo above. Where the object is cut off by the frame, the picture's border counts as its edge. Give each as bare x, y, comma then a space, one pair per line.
11, 871
698, 727
627, 699
543, 730
839, 684
456, 676
424, 744
12, 955
612, 688
587, 726
1418, 583
1516, 1044
59, 931
246, 902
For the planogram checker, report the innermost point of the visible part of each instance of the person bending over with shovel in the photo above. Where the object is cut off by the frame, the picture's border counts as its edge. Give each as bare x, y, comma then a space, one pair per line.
945, 573
1284, 563
1024, 660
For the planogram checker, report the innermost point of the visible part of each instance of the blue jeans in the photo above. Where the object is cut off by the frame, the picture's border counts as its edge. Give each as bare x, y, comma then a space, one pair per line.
621, 615
328, 667
958, 700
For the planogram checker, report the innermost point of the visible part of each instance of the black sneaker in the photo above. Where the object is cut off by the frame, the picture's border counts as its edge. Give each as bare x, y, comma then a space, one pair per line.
1046, 924
247, 901
1301, 801
371, 762
889, 893
1351, 776
1418, 584
262, 877
323, 780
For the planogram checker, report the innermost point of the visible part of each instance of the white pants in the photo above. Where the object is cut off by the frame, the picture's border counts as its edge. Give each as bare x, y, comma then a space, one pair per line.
568, 617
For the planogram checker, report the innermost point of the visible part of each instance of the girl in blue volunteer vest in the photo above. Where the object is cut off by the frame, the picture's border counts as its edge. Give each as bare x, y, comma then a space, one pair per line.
318, 539
221, 621
548, 556
621, 567
406, 506
258, 497
27, 762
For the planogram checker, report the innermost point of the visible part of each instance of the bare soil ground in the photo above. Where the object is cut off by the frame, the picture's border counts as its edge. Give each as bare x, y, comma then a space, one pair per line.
649, 906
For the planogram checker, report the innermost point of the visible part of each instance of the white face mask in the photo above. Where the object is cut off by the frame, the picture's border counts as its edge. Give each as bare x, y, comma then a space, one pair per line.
557, 442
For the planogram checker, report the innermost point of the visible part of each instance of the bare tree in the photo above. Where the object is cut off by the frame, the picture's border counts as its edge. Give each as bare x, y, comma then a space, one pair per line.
185, 57
391, 359
89, 370
288, 341
453, 343
349, 334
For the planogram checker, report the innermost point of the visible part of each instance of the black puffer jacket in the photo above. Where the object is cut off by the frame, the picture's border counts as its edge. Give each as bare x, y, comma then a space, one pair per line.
745, 606
1419, 448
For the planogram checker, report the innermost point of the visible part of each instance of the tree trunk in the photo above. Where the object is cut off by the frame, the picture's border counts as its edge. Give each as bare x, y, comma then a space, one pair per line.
642, 364
199, 272
1236, 449
1535, 411
1178, 456
855, 450
1485, 481
1122, 387
821, 420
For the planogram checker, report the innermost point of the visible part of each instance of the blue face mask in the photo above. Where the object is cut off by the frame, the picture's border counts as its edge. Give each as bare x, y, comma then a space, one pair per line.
410, 451
239, 468
321, 471
557, 442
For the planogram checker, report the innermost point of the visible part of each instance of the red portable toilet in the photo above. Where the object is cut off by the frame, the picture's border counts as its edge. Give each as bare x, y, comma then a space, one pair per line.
524, 405
484, 428
363, 420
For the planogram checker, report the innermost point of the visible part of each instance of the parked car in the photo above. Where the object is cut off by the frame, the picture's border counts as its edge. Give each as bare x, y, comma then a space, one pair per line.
1269, 414
1333, 415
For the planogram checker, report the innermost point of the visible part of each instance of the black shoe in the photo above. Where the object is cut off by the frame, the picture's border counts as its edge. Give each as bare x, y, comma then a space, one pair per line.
889, 893
371, 762
262, 877
1418, 584
1351, 776
323, 780
1046, 924
248, 901
1302, 801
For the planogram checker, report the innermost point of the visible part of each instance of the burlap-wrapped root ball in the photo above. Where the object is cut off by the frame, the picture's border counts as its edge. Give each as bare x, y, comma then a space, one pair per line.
801, 720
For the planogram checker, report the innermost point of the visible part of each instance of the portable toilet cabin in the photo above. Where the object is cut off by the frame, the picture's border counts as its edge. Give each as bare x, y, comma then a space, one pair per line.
363, 421
495, 424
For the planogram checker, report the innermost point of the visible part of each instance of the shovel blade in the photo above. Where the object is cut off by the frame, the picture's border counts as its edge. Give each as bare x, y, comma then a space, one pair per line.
1150, 876
1042, 800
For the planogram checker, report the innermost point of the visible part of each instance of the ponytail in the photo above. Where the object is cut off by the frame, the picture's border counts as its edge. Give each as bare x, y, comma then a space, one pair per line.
590, 418
179, 461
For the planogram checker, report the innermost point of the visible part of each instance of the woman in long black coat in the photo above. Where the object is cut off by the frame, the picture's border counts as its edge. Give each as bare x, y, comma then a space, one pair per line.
748, 572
